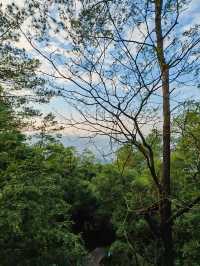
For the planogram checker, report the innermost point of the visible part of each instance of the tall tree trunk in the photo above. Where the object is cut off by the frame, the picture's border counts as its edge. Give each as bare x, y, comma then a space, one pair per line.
165, 206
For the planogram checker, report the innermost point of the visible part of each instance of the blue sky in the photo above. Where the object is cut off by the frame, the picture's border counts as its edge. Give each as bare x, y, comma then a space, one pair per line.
60, 107
189, 17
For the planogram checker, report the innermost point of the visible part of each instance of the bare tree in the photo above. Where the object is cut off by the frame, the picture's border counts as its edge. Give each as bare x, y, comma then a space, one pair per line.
122, 62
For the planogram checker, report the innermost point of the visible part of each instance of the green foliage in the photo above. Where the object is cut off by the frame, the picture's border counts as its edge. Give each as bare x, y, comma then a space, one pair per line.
55, 205
125, 189
51, 199
35, 222
122, 194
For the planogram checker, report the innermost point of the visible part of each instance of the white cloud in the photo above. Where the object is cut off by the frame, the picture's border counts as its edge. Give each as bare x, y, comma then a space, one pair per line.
19, 3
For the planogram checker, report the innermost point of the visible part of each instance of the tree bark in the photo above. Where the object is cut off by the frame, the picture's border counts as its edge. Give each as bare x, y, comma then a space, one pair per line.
165, 206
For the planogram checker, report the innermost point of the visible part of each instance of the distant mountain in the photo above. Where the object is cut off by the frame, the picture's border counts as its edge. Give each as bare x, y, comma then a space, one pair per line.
100, 146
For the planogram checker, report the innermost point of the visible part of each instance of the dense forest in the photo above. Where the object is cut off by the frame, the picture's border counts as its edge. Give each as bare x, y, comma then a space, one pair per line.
63, 207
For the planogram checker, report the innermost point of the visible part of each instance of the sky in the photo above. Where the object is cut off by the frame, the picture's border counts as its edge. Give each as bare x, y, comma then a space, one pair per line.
59, 106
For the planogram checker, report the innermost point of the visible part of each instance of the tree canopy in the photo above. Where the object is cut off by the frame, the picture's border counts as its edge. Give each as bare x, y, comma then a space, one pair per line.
119, 64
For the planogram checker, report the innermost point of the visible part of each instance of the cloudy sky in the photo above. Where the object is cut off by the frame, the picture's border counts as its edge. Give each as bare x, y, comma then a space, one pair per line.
59, 106
189, 17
